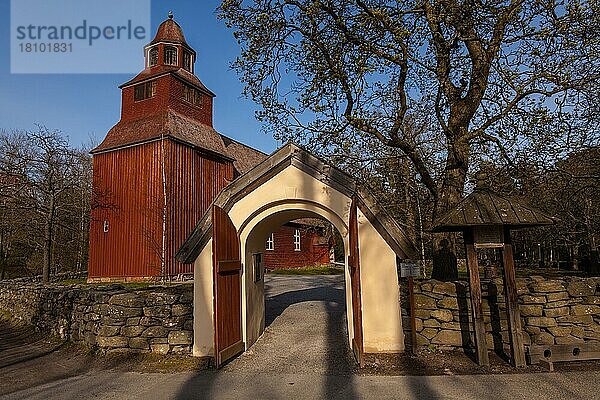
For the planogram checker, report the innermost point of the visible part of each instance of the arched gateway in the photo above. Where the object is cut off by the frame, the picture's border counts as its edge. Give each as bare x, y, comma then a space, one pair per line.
291, 184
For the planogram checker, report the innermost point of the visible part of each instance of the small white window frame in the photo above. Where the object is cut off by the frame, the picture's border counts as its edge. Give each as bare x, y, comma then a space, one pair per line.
165, 48
297, 246
157, 56
270, 245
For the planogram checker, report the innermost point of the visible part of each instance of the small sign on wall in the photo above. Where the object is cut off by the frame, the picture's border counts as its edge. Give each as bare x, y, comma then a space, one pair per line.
257, 266
409, 268
488, 236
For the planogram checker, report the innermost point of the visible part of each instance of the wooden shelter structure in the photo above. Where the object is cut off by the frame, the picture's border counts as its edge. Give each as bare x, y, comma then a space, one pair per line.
486, 218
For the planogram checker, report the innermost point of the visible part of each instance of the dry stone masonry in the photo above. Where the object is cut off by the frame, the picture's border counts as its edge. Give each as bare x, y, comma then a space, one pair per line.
159, 319
156, 319
565, 311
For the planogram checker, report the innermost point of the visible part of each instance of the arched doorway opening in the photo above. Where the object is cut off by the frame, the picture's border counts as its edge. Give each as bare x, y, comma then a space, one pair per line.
255, 234
308, 317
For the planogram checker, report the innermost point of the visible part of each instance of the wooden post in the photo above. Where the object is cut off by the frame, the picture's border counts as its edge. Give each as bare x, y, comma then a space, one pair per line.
413, 323
517, 351
475, 291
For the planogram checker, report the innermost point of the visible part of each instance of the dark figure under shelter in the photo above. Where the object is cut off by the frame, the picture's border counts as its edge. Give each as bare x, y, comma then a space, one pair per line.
444, 263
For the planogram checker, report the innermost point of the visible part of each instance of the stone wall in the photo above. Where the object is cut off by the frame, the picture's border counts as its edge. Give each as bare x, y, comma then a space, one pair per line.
552, 312
114, 318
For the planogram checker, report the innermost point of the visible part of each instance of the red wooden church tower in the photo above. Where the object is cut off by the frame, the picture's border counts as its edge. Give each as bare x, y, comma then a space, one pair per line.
159, 167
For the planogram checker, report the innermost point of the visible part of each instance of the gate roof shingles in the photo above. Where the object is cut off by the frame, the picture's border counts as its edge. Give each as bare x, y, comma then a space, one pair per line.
486, 208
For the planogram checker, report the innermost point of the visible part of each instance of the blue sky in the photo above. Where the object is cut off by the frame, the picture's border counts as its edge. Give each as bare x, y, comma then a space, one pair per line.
88, 105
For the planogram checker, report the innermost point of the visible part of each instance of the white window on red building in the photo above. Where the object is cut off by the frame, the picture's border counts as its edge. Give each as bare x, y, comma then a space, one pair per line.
270, 243
297, 240
170, 55
187, 61
153, 56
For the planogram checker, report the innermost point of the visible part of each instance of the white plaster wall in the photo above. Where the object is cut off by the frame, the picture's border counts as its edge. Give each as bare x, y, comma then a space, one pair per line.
289, 195
204, 334
381, 312
291, 184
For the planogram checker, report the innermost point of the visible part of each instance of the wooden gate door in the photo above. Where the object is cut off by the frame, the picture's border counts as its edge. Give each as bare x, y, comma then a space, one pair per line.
354, 264
227, 288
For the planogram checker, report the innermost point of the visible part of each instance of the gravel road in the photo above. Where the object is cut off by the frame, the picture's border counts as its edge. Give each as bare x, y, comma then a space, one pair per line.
306, 328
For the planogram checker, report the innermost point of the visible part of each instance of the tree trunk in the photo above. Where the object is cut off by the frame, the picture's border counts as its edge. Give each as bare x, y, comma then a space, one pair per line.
575, 257
451, 192
48, 239
455, 177
2, 265
82, 230
3, 257
408, 200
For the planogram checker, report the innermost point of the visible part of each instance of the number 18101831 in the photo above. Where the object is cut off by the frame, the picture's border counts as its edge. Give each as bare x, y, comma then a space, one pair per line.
46, 47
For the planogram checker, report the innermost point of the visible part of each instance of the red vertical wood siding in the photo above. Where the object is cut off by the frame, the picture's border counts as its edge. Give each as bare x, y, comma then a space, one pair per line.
128, 188
285, 256
169, 95
194, 182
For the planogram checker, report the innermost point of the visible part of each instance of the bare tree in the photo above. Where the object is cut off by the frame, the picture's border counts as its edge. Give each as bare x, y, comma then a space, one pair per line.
568, 190
50, 187
436, 79
155, 209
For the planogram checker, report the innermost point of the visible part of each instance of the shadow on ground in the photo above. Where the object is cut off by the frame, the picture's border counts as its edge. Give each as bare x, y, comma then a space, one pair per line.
306, 333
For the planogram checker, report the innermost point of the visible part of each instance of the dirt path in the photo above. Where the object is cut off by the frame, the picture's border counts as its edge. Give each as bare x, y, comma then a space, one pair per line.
20, 342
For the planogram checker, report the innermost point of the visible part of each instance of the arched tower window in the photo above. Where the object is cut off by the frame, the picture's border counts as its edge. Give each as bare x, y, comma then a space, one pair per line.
153, 56
187, 61
170, 55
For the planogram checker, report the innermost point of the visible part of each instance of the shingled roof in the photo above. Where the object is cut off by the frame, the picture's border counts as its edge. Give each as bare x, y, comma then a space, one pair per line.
178, 127
166, 124
485, 208
169, 31
245, 156
160, 70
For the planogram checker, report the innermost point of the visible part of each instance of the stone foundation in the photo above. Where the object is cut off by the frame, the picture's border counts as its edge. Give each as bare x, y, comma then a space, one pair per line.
157, 319
552, 312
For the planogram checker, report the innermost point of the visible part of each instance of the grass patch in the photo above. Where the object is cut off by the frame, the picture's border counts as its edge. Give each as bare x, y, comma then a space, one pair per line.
69, 282
314, 270
129, 285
